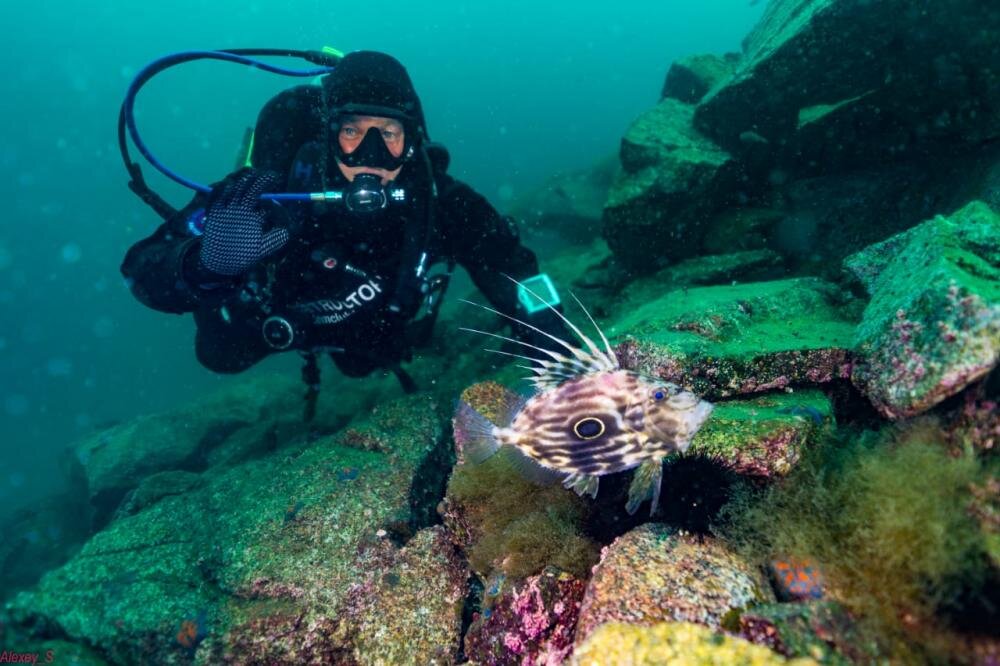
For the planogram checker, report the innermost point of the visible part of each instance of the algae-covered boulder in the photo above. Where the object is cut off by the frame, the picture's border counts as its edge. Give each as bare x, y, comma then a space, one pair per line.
530, 621
835, 84
729, 340
654, 574
673, 643
567, 207
288, 557
659, 203
691, 77
822, 630
763, 436
933, 323
256, 412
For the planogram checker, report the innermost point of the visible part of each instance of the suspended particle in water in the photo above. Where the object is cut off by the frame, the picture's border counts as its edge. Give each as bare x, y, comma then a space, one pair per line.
15, 404
71, 253
104, 327
59, 367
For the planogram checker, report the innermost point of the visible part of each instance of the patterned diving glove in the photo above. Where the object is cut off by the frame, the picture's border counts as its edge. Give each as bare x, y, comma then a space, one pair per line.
234, 237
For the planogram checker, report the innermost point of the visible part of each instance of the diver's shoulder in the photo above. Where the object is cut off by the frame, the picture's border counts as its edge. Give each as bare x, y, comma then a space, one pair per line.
294, 99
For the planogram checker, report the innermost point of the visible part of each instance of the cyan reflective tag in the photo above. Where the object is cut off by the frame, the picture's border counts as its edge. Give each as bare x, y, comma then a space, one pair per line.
537, 293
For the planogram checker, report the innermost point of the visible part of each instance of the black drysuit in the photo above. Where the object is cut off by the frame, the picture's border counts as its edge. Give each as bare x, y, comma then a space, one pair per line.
335, 277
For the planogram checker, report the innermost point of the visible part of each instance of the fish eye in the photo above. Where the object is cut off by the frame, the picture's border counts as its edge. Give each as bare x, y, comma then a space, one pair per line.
659, 395
589, 428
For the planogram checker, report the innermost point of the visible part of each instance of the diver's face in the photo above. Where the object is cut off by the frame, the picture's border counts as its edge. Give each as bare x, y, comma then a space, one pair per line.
352, 133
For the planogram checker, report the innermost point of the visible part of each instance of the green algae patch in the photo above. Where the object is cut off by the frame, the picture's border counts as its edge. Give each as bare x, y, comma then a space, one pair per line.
886, 517
509, 524
763, 436
727, 340
822, 630
673, 642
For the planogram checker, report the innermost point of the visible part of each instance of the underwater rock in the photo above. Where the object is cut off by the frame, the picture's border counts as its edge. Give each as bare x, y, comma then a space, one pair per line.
154, 488
744, 228
116, 460
567, 207
410, 610
796, 579
526, 622
933, 324
690, 77
272, 548
822, 630
659, 203
654, 574
673, 643
40, 536
731, 340
833, 85
763, 436
826, 218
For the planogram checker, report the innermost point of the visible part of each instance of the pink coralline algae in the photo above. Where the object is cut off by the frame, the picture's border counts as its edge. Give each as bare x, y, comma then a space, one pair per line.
531, 622
916, 364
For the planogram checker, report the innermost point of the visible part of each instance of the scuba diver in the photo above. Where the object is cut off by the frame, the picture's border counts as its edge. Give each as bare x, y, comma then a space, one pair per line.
345, 271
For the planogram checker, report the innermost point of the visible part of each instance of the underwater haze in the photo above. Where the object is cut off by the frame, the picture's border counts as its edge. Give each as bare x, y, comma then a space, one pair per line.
516, 90
744, 408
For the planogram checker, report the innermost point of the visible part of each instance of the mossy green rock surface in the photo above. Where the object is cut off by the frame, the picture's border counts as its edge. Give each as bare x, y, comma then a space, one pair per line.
659, 202
290, 557
729, 340
763, 436
253, 413
690, 77
821, 630
653, 574
933, 324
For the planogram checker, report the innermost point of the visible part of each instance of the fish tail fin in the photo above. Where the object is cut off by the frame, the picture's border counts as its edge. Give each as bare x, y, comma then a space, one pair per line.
645, 485
474, 434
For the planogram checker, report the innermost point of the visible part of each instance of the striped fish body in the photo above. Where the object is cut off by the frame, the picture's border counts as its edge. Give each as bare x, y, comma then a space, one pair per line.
603, 423
589, 418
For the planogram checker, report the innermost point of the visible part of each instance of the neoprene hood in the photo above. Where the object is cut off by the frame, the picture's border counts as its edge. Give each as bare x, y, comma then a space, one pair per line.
375, 84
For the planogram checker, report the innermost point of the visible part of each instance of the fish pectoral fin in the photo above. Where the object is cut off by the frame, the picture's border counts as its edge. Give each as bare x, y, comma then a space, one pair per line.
530, 468
583, 484
474, 434
645, 485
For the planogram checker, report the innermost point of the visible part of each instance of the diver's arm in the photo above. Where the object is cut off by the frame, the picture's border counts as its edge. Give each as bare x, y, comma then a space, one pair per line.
486, 244
489, 247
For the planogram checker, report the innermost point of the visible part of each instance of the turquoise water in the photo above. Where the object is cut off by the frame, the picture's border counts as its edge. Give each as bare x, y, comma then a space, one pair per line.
516, 90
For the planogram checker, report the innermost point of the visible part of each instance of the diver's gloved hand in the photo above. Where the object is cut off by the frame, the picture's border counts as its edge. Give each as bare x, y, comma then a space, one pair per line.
234, 238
